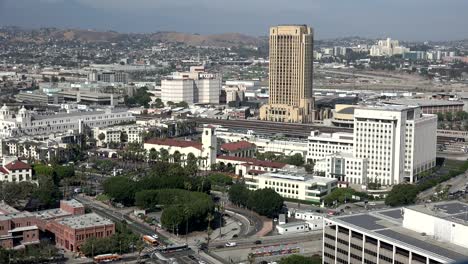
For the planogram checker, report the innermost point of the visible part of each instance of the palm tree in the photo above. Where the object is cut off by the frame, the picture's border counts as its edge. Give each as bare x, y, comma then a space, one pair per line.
186, 214
209, 218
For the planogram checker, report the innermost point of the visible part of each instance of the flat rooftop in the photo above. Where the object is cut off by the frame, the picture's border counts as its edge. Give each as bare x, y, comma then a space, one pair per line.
423, 102
6, 209
15, 215
454, 211
387, 224
85, 221
294, 176
51, 214
73, 203
389, 107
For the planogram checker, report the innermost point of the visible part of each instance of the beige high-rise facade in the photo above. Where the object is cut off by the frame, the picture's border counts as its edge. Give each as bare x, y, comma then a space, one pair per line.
291, 66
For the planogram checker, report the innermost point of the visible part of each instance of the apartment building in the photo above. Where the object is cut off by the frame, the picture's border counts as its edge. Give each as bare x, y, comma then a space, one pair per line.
116, 134
430, 233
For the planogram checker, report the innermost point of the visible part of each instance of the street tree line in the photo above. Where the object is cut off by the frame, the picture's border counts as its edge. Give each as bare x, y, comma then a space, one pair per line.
179, 207
405, 194
265, 202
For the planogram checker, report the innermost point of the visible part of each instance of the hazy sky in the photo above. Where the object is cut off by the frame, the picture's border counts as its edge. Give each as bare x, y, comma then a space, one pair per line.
402, 19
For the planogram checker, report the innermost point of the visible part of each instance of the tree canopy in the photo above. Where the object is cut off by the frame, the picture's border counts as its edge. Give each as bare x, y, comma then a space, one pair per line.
121, 189
265, 202
342, 195
402, 194
179, 206
299, 259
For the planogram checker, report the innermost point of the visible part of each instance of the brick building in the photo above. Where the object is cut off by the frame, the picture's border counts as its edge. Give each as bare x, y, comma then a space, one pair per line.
69, 223
18, 229
71, 232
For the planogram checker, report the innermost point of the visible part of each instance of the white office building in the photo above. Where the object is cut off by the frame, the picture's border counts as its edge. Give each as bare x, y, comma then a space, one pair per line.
25, 122
192, 87
421, 234
387, 47
390, 144
293, 185
325, 144
397, 141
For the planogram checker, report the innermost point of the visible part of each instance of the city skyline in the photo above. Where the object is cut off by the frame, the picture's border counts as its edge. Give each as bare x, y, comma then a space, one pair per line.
373, 19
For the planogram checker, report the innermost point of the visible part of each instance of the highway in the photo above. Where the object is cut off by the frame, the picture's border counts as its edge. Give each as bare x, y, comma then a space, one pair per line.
270, 240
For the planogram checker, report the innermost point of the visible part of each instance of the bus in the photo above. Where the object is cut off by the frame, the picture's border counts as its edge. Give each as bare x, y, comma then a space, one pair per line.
151, 240
107, 258
174, 248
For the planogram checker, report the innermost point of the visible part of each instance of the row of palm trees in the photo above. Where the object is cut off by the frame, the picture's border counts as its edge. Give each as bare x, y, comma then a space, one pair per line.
136, 153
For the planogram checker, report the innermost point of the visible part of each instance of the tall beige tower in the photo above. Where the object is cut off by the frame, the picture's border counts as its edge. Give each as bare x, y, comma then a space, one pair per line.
291, 66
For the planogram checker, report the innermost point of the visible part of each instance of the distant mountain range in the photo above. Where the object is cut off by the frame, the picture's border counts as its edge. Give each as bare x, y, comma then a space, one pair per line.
216, 40
13, 34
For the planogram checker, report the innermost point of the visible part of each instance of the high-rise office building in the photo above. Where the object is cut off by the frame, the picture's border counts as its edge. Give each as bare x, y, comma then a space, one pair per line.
291, 50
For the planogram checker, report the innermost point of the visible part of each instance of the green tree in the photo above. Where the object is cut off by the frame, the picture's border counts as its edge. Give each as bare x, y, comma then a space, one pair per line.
220, 179
295, 159
239, 194
64, 172
449, 116
402, 194
48, 192
141, 97
299, 259
164, 154
177, 157
440, 117
158, 103
309, 167
101, 136
191, 164
182, 104
342, 195
121, 189
266, 202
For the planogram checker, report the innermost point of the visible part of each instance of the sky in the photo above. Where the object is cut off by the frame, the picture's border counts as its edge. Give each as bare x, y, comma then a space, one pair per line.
400, 19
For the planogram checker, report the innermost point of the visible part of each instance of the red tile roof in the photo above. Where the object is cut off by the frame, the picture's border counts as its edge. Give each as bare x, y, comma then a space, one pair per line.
2, 170
17, 165
233, 146
255, 162
175, 143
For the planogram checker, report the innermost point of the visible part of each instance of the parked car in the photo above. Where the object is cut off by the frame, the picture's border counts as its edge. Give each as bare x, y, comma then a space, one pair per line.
258, 242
